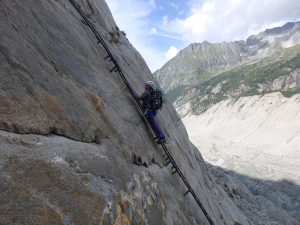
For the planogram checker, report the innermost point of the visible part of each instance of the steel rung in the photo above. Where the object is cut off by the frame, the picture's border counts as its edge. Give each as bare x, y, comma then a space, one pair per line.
167, 163
185, 193
115, 69
107, 57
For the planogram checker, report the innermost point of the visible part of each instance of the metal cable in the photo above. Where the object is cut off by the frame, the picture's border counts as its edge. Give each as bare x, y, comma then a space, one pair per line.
118, 69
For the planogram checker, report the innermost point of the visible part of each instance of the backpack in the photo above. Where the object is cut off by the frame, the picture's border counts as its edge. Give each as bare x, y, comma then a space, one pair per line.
156, 100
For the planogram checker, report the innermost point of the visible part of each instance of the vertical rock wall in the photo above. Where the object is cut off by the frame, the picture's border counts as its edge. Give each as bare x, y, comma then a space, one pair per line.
70, 129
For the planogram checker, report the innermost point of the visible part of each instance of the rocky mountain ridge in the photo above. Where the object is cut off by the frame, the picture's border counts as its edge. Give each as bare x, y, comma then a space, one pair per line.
272, 40
275, 73
199, 62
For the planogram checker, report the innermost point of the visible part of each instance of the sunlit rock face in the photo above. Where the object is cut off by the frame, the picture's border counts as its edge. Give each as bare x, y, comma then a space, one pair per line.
70, 129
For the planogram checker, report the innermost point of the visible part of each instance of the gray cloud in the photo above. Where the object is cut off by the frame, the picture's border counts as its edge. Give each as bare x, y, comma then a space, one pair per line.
227, 20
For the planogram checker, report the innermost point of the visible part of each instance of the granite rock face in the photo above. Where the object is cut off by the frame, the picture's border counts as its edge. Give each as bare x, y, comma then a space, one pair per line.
258, 207
287, 82
70, 129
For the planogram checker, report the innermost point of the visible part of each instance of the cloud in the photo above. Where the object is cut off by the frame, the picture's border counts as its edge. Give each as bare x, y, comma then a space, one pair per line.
174, 5
153, 30
134, 20
172, 51
160, 33
153, 26
152, 3
227, 20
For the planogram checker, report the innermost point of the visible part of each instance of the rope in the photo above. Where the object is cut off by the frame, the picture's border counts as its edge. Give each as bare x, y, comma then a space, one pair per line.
117, 68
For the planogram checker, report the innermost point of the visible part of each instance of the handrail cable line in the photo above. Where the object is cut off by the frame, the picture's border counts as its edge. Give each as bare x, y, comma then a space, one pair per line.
117, 68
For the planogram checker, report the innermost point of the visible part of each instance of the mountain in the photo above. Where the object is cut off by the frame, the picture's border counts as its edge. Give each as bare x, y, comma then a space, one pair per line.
277, 73
244, 117
272, 40
199, 62
70, 130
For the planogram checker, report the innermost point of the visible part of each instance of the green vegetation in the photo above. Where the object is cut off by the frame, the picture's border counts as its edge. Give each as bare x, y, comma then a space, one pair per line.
252, 78
199, 62
182, 90
115, 35
173, 94
290, 92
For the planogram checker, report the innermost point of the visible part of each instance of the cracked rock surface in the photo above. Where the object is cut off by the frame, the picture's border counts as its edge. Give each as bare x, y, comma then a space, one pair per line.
69, 129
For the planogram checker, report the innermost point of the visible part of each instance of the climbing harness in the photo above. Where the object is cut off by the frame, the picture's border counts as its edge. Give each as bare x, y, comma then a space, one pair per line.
169, 158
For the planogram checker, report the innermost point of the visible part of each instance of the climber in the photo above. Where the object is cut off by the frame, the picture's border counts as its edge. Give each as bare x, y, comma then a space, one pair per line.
152, 101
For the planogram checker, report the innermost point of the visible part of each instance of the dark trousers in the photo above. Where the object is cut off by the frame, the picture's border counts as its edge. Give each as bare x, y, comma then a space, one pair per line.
150, 115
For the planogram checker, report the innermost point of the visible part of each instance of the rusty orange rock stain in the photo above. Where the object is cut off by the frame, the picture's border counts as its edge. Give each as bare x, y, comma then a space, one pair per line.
96, 208
96, 100
122, 218
48, 216
53, 104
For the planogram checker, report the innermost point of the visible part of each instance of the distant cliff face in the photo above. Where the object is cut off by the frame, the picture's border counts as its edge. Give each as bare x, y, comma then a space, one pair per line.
273, 40
70, 129
200, 61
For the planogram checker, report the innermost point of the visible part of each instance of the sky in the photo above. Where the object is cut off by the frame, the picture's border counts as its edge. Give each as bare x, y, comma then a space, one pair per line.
159, 29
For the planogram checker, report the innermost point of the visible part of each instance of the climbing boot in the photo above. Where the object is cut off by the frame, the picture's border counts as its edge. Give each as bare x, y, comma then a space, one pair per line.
161, 141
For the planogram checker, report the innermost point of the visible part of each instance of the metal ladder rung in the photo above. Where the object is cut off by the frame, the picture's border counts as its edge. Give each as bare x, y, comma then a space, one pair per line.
167, 162
107, 57
114, 69
185, 193
174, 172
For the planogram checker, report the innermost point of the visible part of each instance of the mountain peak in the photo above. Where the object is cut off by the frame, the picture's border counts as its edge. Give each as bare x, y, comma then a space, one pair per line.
285, 28
198, 61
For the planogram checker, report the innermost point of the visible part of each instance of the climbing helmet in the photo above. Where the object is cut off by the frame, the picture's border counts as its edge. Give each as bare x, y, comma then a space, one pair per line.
150, 84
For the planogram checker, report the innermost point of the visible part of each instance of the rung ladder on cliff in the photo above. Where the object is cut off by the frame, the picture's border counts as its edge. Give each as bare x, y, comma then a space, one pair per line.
117, 68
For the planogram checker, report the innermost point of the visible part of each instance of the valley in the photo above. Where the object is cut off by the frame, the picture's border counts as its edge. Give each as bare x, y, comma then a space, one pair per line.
243, 116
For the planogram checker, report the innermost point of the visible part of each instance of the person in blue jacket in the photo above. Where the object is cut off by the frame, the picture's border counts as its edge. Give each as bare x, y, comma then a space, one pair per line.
152, 101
